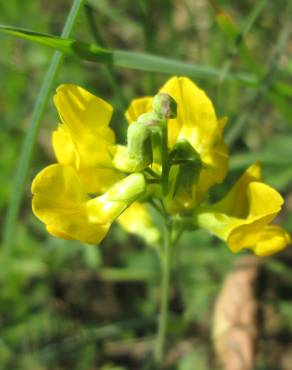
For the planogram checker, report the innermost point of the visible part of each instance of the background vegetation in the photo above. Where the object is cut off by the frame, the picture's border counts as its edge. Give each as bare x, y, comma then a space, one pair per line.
64, 305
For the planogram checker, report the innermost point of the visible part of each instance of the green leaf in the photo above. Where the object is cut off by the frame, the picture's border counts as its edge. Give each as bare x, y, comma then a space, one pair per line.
125, 59
232, 31
82, 50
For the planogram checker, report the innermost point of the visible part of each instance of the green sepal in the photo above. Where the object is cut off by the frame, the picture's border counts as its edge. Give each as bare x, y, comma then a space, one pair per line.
189, 166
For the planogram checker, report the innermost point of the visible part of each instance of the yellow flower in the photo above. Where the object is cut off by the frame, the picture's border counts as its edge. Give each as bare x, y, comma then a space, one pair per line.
84, 139
81, 196
196, 122
62, 204
243, 216
136, 220
85, 142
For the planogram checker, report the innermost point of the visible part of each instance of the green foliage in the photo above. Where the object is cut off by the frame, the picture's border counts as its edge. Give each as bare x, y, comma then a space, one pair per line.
64, 305
121, 58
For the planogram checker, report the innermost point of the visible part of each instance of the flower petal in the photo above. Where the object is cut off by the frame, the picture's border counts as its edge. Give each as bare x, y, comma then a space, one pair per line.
260, 214
136, 220
138, 107
98, 180
215, 170
84, 138
196, 119
241, 217
196, 122
59, 201
80, 109
235, 203
64, 147
60, 184
271, 240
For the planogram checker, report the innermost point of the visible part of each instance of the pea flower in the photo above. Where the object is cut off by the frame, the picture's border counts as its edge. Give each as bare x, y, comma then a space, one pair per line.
174, 154
196, 122
84, 139
242, 218
60, 201
84, 145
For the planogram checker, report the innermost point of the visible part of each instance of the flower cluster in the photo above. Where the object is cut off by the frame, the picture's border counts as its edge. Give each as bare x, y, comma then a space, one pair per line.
175, 153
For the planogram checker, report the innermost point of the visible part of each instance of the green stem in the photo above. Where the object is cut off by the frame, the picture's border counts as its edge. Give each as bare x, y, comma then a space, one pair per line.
31, 135
163, 316
164, 159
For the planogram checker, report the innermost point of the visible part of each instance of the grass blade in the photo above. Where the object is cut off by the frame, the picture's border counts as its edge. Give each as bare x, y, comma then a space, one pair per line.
125, 59
30, 138
82, 50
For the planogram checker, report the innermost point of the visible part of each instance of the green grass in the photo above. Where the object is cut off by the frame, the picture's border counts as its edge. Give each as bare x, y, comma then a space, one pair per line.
64, 305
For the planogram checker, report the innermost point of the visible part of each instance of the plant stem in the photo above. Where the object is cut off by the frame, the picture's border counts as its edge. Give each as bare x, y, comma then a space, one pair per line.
163, 316
164, 159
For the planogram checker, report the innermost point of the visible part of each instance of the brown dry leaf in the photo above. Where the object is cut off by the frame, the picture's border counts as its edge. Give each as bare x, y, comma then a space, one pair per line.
235, 326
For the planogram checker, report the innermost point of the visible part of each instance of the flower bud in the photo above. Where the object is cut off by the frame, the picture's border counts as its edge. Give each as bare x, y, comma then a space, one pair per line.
164, 106
138, 154
107, 207
149, 119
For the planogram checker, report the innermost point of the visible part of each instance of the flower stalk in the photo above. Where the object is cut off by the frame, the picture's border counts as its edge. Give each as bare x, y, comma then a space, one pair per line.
165, 108
165, 258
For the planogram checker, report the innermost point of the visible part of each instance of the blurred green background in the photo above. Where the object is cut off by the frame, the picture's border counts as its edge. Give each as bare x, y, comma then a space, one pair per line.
64, 305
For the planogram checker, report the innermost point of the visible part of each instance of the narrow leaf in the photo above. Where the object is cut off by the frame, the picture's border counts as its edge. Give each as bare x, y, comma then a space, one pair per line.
124, 59
79, 49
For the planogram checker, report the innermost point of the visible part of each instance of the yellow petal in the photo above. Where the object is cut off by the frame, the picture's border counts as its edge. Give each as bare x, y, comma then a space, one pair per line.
236, 201
138, 107
57, 233
244, 213
261, 213
98, 180
196, 122
59, 201
243, 232
196, 119
80, 109
215, 171
136, 220
84, 136
271, 240
63, 145
95, 180
60, 184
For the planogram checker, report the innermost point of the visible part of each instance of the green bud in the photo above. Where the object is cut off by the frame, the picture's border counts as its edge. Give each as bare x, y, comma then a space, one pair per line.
144, 137
107, 207
148, 119
138, 154
128, 189
164, 106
